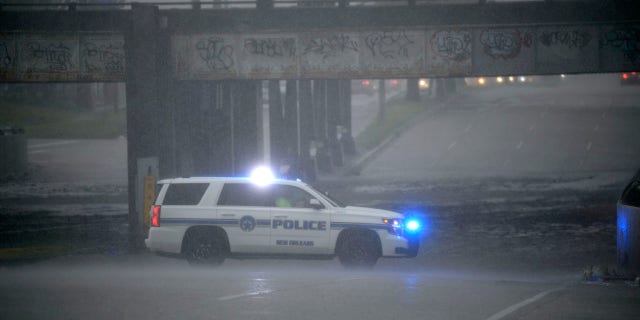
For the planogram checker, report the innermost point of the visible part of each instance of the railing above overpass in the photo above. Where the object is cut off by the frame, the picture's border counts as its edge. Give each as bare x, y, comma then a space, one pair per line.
248, 4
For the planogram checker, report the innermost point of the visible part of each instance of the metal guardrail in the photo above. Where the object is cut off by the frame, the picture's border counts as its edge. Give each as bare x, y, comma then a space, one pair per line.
232, 4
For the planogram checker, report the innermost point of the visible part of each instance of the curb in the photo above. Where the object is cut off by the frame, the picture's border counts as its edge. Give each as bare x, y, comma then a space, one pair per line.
24, 254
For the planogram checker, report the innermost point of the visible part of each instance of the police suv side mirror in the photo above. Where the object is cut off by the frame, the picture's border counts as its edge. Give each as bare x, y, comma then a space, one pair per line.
315, 204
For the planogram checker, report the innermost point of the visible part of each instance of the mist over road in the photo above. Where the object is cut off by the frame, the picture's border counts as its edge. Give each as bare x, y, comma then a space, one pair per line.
585, 126
516, 188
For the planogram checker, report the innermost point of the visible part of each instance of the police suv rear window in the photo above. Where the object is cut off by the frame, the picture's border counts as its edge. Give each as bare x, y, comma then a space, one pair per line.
243, 194
184, 194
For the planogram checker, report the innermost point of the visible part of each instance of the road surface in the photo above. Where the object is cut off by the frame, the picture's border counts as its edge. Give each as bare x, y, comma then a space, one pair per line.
517, 190
582, 127
148, 287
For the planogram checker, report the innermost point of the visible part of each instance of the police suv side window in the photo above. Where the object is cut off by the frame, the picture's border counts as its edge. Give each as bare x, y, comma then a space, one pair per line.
284, 196
184, 194
242, 194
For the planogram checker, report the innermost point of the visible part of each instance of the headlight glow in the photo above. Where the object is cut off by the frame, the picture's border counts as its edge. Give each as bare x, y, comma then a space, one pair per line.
395, 225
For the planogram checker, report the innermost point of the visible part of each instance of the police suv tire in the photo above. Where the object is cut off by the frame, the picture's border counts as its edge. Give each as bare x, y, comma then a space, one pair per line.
358, 250
204, 247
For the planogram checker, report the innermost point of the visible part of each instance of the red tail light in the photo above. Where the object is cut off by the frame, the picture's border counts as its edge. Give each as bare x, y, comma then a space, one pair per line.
625, 76
366, 82
155, 218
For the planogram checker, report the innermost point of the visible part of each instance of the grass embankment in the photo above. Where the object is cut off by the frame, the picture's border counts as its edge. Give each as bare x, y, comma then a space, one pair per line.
54, 123
398, 113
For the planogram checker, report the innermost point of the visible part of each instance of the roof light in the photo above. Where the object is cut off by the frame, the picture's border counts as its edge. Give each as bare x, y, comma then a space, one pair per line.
262, 176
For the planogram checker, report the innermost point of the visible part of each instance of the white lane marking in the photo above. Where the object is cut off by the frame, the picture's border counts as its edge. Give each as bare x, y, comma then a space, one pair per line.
511, 309
51, 144
542, 114
596, 128
467, 129
246, 294
589, 146
581, 163
519, 145
531, 127
506, 162
604, 114
453, 144
263, 292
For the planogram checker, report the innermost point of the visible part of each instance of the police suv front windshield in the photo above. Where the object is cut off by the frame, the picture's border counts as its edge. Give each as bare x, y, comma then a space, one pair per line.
334, 202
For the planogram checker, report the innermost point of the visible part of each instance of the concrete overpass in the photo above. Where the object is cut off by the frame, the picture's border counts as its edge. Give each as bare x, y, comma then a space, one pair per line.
194, 75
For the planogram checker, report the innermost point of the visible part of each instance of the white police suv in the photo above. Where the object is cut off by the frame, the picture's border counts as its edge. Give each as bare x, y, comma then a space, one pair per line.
210, 219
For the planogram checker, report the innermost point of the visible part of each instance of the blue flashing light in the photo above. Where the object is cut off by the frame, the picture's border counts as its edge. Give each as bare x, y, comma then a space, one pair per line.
262, 176
416, 222
413, 225
622, 221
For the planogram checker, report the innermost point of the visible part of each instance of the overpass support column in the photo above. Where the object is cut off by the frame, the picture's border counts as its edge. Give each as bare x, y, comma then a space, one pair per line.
244, 125
209, 128
348, 144
305, 125
333, 121
291, 122
183, 133
144, 69
413, 90
220, 142
292, 134
323, 157
276, 125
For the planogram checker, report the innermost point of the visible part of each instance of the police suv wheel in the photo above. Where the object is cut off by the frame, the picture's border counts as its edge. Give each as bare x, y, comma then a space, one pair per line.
358, 250
205, 248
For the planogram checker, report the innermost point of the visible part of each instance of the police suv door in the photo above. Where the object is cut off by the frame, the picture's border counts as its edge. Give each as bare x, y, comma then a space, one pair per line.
245, 216
296, 227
